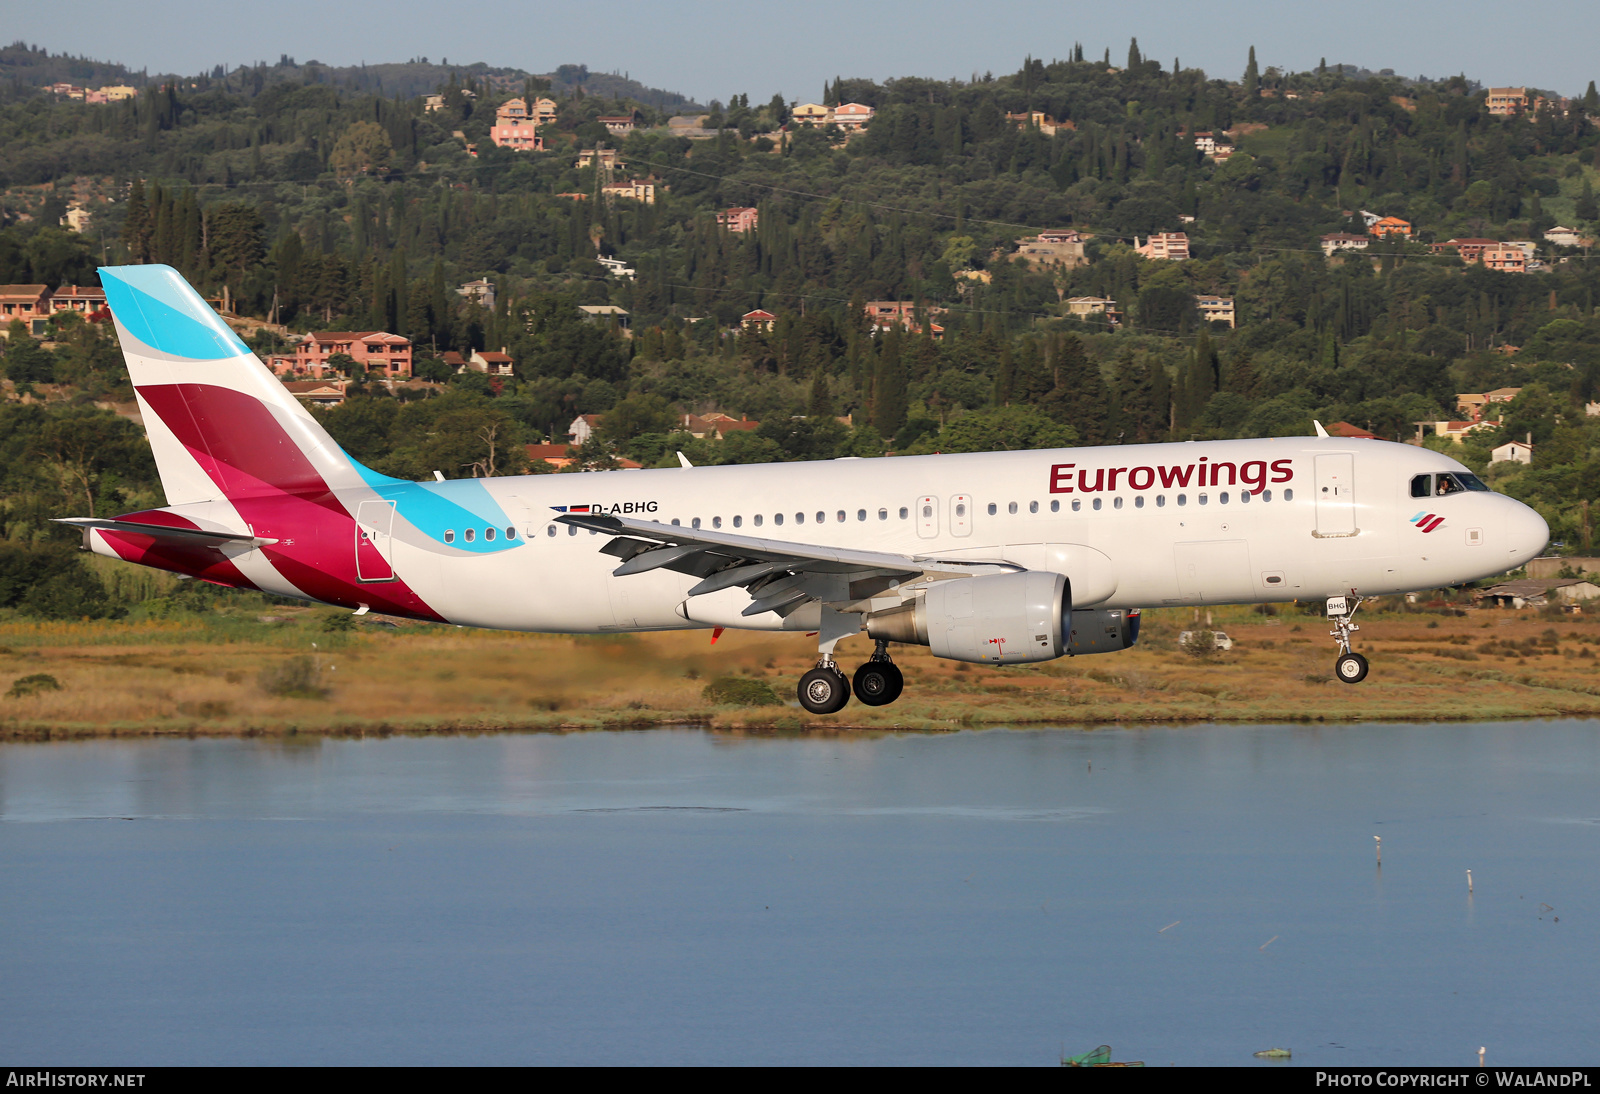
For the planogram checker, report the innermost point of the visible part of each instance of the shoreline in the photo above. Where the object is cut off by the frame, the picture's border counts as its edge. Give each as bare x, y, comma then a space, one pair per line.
295, 674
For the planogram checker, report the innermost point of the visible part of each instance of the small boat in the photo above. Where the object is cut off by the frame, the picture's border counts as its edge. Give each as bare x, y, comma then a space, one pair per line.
1100, 1057
1275, 1053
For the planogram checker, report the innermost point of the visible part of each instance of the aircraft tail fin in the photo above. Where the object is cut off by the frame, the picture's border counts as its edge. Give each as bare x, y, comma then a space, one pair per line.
220, 423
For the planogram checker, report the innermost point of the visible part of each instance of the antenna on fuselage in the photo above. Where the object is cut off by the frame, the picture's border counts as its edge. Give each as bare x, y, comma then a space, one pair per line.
685, 461
1320, 431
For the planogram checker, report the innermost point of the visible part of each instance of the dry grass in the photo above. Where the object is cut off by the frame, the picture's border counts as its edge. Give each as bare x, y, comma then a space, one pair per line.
205, 676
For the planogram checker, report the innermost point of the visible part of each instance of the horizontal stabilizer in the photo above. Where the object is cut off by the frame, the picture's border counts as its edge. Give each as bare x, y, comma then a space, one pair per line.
198, 537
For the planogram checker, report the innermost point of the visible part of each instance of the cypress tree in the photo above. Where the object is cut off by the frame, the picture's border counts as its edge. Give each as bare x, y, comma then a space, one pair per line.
1252, 77
1134, 60
1585, 208
821, 403
889, 398
1591, 100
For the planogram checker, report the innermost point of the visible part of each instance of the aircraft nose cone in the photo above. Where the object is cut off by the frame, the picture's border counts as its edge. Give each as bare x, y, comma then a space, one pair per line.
1526, 532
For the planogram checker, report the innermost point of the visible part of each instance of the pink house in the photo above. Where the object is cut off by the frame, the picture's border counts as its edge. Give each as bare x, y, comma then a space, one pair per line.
852, 116
516, 128
388, 355
740, 218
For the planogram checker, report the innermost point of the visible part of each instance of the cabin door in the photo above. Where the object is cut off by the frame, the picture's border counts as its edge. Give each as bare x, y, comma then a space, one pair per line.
927, 516
374, 547
1336, 494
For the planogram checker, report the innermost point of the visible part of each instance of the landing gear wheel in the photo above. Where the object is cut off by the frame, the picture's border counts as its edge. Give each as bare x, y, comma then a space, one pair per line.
824, 691
1351, 668
878, 683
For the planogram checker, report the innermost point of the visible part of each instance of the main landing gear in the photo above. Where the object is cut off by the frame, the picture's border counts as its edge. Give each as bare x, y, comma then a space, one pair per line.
825, 689
879, 682
1351, 667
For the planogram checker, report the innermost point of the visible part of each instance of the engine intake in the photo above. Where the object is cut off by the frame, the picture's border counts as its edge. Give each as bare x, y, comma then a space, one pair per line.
996, 618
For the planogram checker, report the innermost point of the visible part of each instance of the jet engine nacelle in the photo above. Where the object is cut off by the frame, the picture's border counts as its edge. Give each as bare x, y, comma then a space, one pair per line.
996, 618
1103, 632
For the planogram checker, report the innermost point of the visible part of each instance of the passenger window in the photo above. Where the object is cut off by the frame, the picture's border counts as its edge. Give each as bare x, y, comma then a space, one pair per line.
777, 518
488, 534
676, 523
904, 512
1055, 506
572, 529
450, 534
861, 514
1012, 508
1266, 495
1183, 499
1138, 502
1033, 507
841, 516
550, 531
799, 518
1204, 499
1288, 494
1161, 501
1223, 498
716, 522
470, 533
1077, 504
738, 522
1244, 498
993, 508
883, 514
695, 524
1097, 504
1422, 486
511, 533
822, 518
1116, 503
758, 520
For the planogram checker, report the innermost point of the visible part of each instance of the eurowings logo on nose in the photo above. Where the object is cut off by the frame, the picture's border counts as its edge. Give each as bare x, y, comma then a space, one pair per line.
1427, 521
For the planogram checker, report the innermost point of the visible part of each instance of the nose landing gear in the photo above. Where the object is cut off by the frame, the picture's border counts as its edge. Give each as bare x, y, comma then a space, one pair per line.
1351, 667
879, 682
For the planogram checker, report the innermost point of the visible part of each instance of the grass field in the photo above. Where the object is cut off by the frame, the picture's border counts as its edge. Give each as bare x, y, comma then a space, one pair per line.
280, 670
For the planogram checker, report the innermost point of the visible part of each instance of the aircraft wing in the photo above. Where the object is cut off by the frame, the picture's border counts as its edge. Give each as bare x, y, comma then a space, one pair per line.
781, 574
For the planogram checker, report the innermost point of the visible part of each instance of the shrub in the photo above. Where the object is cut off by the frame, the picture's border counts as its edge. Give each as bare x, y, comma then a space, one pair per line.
33, 685
734, 691
296, 678
1200, 644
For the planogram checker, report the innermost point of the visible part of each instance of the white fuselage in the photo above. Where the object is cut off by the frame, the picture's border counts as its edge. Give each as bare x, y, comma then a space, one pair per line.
1323, 517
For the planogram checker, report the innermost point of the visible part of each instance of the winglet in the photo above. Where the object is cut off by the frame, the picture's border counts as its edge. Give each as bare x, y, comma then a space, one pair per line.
685, 461
1320, 431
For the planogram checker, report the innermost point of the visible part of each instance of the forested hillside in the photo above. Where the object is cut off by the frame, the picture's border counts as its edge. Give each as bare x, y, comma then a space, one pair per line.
333, 203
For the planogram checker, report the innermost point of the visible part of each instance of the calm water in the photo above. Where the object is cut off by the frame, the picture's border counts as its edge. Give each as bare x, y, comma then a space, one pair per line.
675, 896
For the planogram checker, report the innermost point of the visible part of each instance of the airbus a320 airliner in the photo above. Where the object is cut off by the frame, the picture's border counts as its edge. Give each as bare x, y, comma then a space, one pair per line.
999, 557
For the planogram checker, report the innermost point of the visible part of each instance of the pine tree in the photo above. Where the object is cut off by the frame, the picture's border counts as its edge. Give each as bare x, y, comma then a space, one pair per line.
1080, 397
1252, 77
1241, 376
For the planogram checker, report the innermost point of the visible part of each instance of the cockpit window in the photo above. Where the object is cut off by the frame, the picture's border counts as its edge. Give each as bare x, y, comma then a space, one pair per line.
1472, 482
1422, 486
1446, 484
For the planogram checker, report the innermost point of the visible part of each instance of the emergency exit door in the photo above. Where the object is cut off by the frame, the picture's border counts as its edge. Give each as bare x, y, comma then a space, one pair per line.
1335, 493
374, 546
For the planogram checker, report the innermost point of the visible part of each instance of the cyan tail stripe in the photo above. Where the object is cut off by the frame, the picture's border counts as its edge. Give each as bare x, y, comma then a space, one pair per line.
423, 504
159, 308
